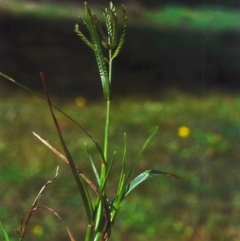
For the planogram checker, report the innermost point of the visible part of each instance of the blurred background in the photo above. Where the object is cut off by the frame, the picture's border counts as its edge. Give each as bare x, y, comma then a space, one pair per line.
179, 69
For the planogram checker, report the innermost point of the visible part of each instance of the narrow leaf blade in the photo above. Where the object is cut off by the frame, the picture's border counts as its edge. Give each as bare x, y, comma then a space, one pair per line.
55, 107
33, 207
140, 153
145, 176
122, 175
4, 231
79, 180
93, 166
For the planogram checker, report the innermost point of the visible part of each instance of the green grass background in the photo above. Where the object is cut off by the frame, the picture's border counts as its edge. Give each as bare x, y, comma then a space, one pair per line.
203, 207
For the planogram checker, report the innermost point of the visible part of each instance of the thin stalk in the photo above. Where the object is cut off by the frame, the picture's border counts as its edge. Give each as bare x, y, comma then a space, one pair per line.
106, 140
89, 232
107, 123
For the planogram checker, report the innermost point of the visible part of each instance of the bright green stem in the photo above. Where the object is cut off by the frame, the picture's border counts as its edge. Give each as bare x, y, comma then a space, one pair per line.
108, 108
106, 136
106, 139
89, 232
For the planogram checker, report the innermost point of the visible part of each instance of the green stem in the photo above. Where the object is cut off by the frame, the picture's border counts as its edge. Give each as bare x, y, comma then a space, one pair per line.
107, 123
106, 139
107, 130
88, 236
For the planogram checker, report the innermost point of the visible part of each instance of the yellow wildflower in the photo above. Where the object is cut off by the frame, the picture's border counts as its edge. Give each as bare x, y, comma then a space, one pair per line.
183, 131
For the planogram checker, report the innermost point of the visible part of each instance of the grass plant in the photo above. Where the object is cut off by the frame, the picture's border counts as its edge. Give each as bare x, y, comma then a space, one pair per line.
101, 210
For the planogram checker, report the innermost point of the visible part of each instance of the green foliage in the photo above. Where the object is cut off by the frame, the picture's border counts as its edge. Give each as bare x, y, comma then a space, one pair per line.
177, 202
210, 18
4, 231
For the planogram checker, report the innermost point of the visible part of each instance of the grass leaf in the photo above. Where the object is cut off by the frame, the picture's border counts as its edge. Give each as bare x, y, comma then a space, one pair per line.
102, 201
145, 176
123, 182
108, 172
140, 153
70, 118
98, 236
58, 216
122, 175
94, 188
79, 180
33, 207
4, 231
93, 166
